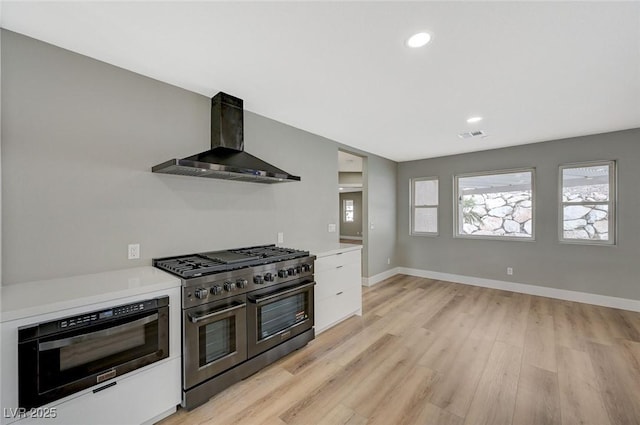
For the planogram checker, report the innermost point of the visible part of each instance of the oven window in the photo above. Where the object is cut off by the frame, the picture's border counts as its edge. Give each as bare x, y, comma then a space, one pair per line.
282, 314
217, 340
90, 352
79, 354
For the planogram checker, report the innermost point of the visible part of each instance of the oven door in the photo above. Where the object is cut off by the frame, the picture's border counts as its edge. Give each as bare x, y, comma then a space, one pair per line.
279, 313
215, 339
60, 364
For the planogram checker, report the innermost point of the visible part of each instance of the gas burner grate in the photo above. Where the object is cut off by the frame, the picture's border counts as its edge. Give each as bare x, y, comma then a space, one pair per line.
191, 265
271, 252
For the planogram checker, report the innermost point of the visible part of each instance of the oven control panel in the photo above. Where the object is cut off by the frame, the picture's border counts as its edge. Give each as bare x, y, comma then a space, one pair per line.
216, 287
91, 318
118, 311
281, 272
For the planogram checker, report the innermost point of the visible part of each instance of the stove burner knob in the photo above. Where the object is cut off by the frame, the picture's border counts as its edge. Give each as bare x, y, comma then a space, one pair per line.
298, 269
257, 279
282, 273
292, 271
268, 277
306, 267
201, 293
241, 283
229, 286
216, 290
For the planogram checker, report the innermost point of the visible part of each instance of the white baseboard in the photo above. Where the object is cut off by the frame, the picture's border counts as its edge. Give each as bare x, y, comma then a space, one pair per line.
370, 281
543, 291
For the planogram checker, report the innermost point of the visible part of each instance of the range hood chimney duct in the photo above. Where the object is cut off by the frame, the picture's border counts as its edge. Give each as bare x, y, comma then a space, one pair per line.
226, 159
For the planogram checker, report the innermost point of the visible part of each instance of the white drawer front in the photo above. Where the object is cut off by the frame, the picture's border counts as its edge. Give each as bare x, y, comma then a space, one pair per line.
336, 308
133, 400
333, 261
338, 279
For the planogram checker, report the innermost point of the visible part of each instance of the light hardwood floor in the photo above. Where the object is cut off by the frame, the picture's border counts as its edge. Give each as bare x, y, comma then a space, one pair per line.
439, 353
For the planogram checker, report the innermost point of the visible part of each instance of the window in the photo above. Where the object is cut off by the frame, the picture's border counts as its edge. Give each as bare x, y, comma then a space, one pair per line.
424, 206
348, 211
495, 205
587, 202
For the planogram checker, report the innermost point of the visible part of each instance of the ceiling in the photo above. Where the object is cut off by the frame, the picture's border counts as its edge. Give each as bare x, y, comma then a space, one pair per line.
535, 71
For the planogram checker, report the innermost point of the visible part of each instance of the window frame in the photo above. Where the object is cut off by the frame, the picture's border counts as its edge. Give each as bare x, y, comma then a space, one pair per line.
412, 206
456, 203
612, 203
353, 211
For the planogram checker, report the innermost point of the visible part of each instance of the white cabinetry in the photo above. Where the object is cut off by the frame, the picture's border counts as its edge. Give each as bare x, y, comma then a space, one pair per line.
144, 395
338, 291
137, 399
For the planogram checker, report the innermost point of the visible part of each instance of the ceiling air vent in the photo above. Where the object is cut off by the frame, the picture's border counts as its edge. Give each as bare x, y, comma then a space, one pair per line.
472, 134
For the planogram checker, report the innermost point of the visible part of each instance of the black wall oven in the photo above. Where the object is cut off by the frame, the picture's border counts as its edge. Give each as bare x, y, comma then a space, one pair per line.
64, 356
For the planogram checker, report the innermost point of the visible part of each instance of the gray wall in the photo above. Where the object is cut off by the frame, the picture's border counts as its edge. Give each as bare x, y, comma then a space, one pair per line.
349, 178
0, 156
595, 269
79, 138
353, 228
381, 177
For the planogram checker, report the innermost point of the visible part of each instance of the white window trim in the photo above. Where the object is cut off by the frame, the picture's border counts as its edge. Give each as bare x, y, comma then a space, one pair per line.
612, 203
456, 215
344, 210
412, 206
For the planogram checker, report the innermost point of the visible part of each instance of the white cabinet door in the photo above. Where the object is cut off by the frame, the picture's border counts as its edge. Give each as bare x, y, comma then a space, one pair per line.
133, 400
338, 293
335, 309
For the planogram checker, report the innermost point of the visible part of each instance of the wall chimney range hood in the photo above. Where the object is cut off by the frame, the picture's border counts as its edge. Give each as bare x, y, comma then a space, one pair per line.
226, 159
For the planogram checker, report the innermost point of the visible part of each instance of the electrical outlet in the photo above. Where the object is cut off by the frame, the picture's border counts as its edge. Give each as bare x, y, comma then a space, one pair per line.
510, 271
134, 251
280, 237
331, 228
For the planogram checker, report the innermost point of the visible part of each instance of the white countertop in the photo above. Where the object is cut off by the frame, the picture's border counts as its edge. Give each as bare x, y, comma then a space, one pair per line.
23, 300
332, 249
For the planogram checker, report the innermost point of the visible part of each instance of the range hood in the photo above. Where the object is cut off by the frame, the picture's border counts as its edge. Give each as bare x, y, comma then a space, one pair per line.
226, 159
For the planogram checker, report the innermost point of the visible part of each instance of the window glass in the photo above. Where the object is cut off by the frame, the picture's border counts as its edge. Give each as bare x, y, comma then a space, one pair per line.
424, 206
348, 210
495, 205
587, 203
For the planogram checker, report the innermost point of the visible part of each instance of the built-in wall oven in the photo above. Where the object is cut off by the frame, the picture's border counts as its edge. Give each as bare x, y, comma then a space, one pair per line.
64, 356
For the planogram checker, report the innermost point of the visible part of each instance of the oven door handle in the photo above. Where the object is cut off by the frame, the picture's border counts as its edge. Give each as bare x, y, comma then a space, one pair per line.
199, 318
60, 343
281, 293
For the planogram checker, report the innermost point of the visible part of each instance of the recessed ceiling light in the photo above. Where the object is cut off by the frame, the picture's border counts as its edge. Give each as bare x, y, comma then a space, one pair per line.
474, 119
418, 40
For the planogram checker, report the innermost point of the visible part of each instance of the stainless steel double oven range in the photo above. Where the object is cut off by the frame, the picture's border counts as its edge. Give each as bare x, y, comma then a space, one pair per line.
242, 310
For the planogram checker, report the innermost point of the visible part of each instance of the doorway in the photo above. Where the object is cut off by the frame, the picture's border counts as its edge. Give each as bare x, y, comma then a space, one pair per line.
350, 188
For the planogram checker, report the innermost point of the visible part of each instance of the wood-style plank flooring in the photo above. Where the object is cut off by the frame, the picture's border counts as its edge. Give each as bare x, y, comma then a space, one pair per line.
440, 353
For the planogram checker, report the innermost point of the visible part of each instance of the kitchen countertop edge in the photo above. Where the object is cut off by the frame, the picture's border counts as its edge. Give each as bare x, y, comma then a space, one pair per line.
23, 300
336, 249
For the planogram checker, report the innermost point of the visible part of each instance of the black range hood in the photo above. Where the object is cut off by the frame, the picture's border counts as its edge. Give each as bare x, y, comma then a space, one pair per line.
226, 159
